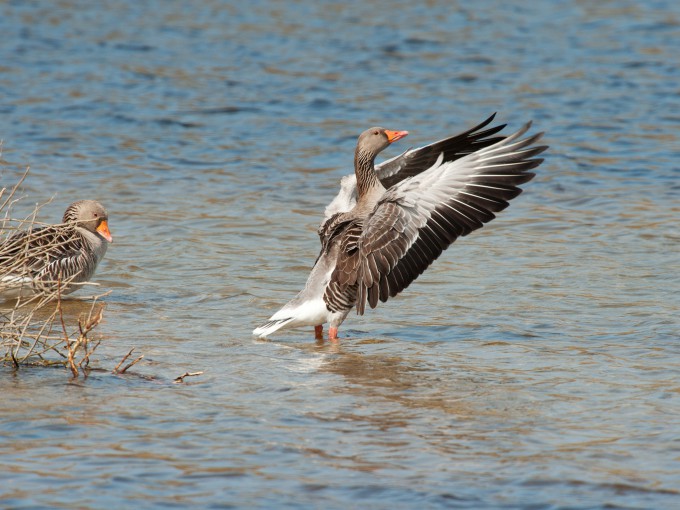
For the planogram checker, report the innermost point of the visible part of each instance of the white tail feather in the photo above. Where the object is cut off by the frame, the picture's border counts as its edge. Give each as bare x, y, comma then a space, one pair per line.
272, 326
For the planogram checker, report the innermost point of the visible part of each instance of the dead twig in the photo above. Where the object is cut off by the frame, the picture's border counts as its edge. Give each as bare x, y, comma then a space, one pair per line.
115, 370
14, 190
91, 322
71, 346
140, 358
180, 379
86, 358
124, 369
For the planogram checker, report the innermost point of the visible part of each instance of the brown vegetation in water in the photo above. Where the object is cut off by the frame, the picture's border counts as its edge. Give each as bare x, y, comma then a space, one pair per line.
33, 330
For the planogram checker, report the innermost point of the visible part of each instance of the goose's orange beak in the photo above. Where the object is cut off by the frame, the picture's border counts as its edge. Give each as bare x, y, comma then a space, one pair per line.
393, 136
103, 230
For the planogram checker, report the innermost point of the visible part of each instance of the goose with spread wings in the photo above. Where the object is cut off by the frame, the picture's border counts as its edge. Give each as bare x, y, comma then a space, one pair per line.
376, 239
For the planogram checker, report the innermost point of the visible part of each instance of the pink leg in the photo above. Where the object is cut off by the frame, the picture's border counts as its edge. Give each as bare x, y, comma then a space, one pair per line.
318, 332
332, 333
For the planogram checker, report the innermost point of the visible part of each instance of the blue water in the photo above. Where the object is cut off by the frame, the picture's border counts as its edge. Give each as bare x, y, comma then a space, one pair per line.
533, 366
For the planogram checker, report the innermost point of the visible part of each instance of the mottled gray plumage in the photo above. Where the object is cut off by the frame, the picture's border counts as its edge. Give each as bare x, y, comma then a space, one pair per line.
41, 258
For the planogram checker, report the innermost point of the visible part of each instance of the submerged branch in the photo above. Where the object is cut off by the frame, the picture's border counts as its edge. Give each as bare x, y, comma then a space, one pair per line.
180, 379
124, 369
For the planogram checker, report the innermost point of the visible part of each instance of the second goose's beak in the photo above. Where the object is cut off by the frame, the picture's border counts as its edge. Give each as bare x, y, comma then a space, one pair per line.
393, 136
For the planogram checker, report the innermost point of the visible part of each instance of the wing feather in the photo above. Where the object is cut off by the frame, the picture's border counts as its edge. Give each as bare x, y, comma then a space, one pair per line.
421, 216
415, 161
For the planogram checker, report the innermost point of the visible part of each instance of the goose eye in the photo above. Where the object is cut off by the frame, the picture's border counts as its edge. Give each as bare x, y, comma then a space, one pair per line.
96, 215
376, 132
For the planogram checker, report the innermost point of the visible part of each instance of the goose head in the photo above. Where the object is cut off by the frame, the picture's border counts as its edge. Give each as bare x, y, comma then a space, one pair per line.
91, 216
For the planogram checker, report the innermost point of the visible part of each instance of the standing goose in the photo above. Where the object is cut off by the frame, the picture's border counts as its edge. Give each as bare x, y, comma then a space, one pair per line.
39, 259
390, 236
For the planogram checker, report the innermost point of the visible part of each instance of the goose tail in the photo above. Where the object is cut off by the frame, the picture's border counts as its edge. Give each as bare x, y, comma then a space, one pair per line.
271, 326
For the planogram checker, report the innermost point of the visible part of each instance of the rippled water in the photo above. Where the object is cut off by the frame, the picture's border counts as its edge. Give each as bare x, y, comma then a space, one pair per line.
535, 365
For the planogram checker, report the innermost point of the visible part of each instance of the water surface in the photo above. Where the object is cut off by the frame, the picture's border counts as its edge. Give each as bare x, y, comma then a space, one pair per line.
535, 365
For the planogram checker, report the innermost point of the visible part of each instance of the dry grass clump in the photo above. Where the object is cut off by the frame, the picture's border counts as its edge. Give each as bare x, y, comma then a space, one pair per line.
34, 333
33, 330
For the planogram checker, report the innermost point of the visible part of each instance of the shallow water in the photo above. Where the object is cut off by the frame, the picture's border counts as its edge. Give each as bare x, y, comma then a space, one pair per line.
535, 365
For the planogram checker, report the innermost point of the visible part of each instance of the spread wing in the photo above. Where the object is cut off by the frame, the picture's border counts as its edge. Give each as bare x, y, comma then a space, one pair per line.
420, 217
414, 161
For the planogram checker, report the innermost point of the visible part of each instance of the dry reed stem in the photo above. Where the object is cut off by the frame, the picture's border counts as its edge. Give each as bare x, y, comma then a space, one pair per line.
180, 379
124, 369
115, 370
